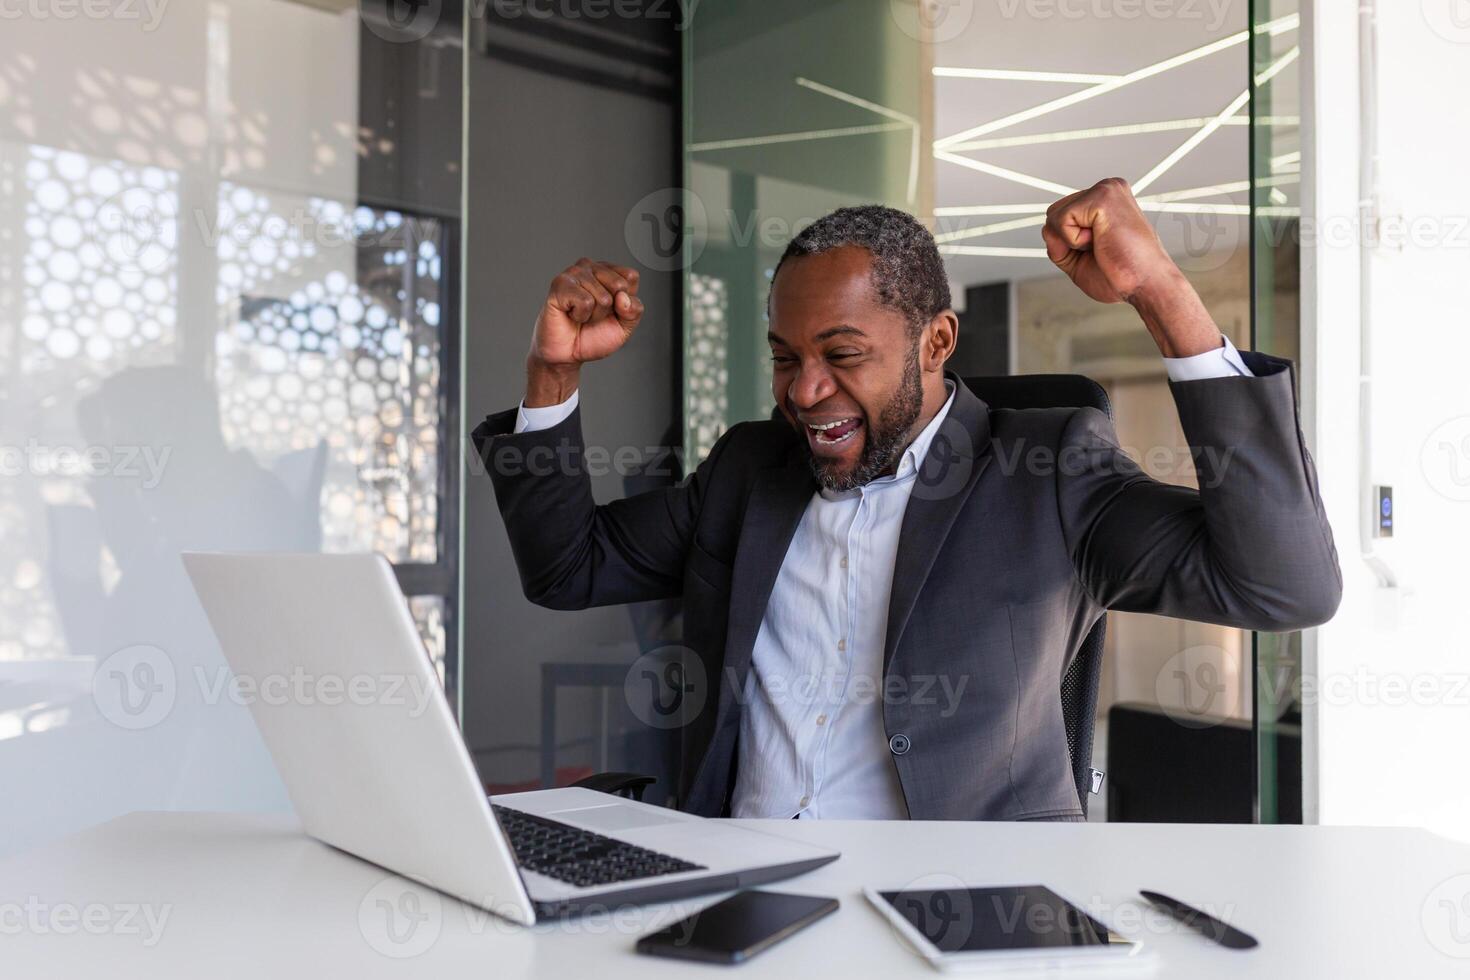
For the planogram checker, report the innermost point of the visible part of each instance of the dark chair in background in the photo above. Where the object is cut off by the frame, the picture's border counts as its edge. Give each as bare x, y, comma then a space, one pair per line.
1083, 676
1197, 769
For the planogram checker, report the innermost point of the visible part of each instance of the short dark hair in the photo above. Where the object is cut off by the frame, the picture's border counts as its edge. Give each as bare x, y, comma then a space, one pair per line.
908, 273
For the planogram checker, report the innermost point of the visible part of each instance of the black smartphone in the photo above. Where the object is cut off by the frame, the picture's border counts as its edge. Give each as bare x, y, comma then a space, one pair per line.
736, 929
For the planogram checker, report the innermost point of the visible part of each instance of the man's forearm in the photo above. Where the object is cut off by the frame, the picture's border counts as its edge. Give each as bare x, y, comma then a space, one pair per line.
1175, 316
548, 384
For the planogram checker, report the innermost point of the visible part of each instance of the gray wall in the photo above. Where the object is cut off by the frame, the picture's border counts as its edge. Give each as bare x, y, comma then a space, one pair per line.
554, 168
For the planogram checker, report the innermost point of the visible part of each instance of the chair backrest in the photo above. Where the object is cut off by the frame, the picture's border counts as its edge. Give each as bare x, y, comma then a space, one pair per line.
1083, 675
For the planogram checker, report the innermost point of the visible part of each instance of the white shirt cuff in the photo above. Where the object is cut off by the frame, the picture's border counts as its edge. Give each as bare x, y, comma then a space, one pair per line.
536, 419
1223, 362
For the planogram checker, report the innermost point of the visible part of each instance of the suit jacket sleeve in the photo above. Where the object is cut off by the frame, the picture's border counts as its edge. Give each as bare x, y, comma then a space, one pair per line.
571, 552
1251, 548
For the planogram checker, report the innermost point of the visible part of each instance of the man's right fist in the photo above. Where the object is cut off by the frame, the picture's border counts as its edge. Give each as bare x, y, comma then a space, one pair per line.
591, 310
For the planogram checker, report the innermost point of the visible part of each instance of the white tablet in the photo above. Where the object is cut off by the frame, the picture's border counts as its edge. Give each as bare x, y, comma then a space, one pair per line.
1019, 929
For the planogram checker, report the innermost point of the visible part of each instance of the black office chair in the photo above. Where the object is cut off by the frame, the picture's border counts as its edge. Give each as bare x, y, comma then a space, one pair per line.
1083, 676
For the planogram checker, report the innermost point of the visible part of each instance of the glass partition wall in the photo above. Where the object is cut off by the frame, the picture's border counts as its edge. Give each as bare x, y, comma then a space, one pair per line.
1275, 200
228, 321
975, 117
791, 111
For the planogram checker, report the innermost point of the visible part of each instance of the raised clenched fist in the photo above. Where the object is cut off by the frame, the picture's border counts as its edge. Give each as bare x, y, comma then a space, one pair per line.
591, 310
1100, 238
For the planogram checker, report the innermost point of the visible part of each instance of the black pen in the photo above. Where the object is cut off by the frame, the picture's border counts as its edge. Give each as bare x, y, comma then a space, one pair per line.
1202, 922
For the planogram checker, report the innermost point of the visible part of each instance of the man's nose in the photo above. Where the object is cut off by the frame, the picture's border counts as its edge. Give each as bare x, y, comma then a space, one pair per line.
810, 387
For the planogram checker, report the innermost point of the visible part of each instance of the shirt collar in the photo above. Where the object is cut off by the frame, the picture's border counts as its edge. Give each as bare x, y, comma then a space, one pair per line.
913, 457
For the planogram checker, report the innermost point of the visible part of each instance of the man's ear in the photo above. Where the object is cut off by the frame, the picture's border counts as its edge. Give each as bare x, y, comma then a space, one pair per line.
940, 338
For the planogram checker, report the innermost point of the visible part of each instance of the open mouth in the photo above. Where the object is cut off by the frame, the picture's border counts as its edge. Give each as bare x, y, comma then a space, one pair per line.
830, 435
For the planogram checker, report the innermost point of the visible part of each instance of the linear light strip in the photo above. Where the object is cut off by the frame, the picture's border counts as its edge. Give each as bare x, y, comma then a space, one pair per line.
1279, 25
1204, 132
1184, 194
1213, 190
968, 210
1016, 75
1180, 207
1239, 210
1127, 129
851, 99
812, 134
991, 229
1003, 173
1199, 136
1068, 135
882, 110
1276, 68
997, 251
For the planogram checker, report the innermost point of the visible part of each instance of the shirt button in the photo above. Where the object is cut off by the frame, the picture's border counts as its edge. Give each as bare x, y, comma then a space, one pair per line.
844, 561
842, 644
821, 719
899, 744
804, 801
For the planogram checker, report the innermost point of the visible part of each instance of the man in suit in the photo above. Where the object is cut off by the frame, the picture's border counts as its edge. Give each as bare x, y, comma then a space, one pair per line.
884, 587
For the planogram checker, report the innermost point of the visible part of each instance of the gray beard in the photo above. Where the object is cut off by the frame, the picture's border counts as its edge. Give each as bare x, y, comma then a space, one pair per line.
886, 439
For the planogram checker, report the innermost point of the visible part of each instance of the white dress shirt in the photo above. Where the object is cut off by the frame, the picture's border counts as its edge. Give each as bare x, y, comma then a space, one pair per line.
812, 739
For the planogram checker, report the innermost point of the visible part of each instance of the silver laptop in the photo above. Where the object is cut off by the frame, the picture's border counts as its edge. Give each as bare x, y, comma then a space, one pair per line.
328, 658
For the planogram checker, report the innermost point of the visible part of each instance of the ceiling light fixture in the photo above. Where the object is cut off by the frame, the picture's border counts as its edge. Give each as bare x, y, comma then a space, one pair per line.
1195, 139
1003, 173
996, 251
1126, 129
882, 110
1013, 75
1280, 25
967, 210
811, 134
991, 229
1276, 68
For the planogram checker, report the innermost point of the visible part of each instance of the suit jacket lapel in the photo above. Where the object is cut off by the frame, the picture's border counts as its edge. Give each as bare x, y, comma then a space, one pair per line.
777, 500
957, 456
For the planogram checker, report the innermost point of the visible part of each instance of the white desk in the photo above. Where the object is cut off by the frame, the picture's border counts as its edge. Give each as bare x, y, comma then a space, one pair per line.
248, 896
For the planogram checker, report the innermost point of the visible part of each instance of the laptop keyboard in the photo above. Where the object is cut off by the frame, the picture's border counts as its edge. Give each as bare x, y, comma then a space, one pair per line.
580, 857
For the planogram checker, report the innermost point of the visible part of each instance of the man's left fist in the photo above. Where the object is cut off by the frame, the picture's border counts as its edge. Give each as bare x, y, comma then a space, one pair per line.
1100, 238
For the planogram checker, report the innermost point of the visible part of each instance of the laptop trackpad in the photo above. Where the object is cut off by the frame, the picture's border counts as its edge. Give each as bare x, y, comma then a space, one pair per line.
614, 816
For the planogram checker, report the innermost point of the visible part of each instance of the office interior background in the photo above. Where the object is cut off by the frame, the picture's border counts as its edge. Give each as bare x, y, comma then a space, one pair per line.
263, 263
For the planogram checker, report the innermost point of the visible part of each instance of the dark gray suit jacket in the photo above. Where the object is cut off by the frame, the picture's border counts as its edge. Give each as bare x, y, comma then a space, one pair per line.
1023, 527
